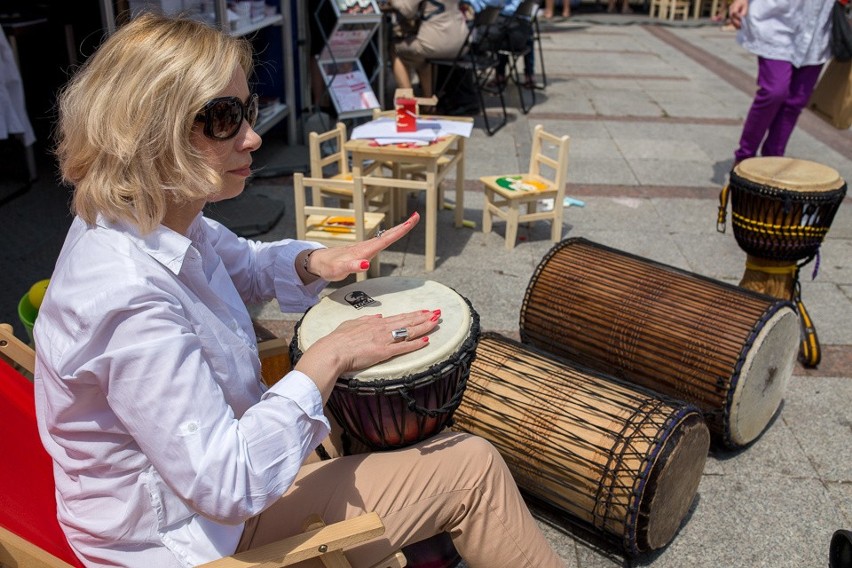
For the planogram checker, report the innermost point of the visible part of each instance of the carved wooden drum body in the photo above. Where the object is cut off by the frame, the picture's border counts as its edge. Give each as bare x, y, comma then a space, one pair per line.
408, 398
620, 459
727, 350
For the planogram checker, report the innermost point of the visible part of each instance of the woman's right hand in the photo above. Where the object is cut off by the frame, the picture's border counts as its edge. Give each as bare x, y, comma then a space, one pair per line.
363, 342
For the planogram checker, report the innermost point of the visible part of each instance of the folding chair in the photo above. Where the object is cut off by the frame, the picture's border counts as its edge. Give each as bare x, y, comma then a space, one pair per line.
523, 16
30, 536
479, 61
537, 41
504, 194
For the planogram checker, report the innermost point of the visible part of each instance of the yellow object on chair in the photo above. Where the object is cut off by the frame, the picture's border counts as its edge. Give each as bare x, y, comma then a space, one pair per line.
545, 180
337, 226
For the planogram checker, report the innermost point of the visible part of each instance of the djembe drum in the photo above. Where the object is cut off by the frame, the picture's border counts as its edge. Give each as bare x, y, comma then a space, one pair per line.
781, 210
619, 459
408, 398
728, 350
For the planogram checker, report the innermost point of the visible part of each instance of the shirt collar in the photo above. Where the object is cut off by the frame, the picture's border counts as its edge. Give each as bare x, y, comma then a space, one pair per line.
164, 245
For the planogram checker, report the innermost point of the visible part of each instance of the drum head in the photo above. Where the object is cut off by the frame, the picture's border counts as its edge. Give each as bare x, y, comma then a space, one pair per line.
790, 174
763, 378
389, 296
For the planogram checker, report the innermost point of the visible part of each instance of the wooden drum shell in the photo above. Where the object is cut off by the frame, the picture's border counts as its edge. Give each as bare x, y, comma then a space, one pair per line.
727, 350
617, 458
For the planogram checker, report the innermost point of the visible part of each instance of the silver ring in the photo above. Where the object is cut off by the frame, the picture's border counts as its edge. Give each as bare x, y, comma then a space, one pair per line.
379, 233
400, 334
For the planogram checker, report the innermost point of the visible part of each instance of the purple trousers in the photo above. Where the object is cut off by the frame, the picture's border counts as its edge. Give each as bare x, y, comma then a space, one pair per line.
783, 91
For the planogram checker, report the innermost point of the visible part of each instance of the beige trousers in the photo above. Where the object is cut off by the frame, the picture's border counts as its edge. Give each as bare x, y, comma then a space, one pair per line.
452, 482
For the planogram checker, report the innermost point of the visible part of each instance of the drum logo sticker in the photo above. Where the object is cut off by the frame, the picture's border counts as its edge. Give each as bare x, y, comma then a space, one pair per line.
358, 299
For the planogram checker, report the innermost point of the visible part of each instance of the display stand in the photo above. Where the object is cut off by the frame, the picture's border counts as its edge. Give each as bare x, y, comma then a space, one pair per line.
347, 28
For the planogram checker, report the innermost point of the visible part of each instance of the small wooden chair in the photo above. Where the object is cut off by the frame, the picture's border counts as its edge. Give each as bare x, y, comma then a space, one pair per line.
505, 193
337, 161
338, 226
30, 535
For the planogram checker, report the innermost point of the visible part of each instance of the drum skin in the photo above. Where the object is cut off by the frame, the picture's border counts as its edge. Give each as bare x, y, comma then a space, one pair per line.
619, 459
727, 350
413, 396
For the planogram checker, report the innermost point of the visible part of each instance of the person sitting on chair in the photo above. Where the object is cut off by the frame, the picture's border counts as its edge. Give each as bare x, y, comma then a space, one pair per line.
437, 30
168, 450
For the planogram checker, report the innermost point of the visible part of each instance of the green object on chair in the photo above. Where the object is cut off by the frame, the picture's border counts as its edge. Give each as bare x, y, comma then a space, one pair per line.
27, 314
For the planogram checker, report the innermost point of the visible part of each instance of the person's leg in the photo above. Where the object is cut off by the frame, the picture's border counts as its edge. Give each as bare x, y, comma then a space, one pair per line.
548, 8
529, 61
773, 81
453, 482
566, 8
401, 73
424, 71
802, 84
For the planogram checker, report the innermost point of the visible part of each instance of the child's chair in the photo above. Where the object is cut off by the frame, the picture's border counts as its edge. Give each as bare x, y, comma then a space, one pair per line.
30, 535
545, 180
330, 160
338, 226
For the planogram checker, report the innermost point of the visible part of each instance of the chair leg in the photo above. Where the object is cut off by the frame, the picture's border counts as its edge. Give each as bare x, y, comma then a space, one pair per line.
516, 78
512, 225
540, 53
483, 109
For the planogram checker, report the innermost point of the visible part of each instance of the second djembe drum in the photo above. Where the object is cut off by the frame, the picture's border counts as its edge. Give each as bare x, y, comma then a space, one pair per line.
781, 210
728, 350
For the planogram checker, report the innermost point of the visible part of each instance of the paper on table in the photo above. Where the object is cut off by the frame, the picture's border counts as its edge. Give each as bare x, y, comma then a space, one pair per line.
430, 129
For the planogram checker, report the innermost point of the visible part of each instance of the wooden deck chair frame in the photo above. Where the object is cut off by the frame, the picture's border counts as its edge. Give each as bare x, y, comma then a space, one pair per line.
481, 63
505, 203
313, 221
326, 542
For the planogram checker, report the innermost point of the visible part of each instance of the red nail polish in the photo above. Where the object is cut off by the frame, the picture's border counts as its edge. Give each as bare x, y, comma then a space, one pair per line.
425, 339
435, 317
365, 264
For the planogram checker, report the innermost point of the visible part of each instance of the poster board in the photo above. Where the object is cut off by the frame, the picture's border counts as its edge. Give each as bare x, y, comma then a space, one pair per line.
349, 88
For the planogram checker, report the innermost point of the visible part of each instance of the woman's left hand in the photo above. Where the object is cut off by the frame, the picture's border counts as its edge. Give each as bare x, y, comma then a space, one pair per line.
337, 263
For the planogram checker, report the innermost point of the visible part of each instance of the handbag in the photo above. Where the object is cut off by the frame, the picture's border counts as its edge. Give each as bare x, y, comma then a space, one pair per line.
832, 97
841, 32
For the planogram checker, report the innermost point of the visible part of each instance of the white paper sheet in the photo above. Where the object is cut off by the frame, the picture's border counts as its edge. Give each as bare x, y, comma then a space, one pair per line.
428, 129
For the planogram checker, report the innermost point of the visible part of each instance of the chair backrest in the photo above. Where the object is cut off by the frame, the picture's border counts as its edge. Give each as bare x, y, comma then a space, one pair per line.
29, 532
527, 8
549, 156
334, 139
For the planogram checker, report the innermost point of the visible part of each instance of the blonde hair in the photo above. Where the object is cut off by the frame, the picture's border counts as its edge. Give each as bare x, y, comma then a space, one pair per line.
125, 119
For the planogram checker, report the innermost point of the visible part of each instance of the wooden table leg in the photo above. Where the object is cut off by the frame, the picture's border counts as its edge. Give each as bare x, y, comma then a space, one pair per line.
460, 182
431, 215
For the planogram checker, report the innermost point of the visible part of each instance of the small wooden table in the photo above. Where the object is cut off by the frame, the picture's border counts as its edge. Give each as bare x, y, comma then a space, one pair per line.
437, 159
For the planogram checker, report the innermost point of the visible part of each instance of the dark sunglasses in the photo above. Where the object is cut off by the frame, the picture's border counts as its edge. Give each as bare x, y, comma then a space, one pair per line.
223, 116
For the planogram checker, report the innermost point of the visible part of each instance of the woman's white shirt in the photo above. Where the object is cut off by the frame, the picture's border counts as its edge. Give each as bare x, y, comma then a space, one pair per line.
148, 391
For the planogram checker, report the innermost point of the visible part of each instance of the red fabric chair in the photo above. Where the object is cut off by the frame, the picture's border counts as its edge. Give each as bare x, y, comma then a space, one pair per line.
27, 502
30, 536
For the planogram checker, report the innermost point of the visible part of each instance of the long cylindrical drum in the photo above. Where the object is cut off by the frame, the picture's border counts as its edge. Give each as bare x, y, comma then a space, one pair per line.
727, 350
619, 459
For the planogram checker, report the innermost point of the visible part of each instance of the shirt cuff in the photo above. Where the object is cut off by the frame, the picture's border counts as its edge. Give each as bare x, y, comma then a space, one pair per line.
297, 387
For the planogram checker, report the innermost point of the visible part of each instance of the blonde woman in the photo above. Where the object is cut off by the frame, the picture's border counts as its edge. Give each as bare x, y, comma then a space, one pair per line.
168, 450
